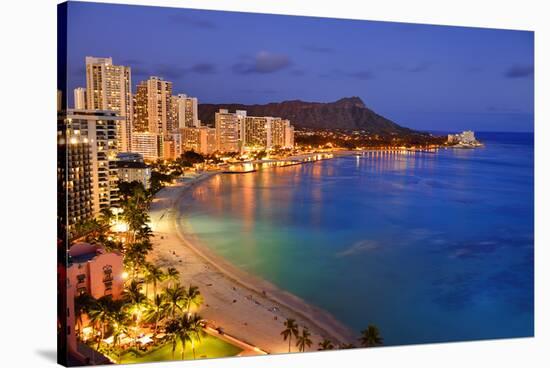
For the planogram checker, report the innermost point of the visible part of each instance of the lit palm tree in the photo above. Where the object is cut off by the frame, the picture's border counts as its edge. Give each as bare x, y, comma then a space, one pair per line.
82, 305
180, 329
303, 340
133, 296
326, 344
156, 311
291, 328
193, 297
155, 275
100, 314
371, 337
175, 297
196, 326
172, 274
119, 326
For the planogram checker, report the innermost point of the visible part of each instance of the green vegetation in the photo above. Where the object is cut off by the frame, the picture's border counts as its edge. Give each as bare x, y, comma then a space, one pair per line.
209, 347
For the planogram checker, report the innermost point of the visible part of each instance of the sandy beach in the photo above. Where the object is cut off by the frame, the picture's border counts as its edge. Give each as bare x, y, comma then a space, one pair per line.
246, 307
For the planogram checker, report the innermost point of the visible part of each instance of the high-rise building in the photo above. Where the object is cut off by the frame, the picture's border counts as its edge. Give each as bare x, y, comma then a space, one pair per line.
185, 111
228, 130
172, 146
98, 129
153, 107
149, 145
289, 137
201, 140
129, 171
109, 87
257, 132
265, 133
74, 177
80, 98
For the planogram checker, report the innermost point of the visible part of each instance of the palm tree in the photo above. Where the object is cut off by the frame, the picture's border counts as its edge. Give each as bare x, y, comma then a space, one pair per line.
133, 295
120, 327
155, 275
371, 337
175, 296
181, 329
156, 311
193, 297
172, 274
303, 340
291, 328
326, 344
100, 314
82, 305
196, 327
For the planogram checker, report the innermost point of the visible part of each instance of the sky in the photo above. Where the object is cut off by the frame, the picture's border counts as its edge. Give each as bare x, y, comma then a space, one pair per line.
425, 77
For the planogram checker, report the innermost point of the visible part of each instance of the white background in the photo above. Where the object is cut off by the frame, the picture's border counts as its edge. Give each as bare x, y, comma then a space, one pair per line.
28, 181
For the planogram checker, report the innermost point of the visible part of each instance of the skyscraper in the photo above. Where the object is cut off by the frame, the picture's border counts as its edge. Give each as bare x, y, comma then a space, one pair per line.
257, 132
98, 129
74, 170
153, 107
228, 130
201, 140
185, 111
80, 98
109, 87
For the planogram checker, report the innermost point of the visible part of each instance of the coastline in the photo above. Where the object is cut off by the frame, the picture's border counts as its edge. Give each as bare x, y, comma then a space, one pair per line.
245, 306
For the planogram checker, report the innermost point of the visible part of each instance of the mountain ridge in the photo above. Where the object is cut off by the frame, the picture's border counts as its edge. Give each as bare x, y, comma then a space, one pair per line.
344, 113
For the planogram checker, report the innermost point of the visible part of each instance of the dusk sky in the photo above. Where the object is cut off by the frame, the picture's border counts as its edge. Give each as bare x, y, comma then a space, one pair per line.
420, 76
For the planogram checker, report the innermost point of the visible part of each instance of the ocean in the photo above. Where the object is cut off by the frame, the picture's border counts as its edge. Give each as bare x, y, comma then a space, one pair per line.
429, 247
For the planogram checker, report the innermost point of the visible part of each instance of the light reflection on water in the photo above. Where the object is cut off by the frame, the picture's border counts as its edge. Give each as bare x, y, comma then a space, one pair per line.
429, 247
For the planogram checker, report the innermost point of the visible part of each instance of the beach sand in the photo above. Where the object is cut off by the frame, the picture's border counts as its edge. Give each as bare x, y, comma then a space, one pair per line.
246, 307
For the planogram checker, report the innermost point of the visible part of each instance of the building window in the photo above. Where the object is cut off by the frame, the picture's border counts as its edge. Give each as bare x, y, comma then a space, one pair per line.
81, 278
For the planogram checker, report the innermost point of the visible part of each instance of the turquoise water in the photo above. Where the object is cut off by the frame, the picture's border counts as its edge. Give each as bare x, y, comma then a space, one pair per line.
428, 247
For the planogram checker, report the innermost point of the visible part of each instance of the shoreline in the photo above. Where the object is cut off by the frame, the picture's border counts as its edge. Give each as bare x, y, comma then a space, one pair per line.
244, 305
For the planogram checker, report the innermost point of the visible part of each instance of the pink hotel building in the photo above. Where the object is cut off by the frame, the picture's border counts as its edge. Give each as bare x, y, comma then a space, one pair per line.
91, 270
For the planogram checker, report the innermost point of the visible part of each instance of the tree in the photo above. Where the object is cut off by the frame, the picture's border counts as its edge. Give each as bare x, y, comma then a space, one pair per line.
154, 276
175, 297
156, 311
119, 325
326, 345
193, 297
100, 314
291, 328
172, 274
303, 340
371, 337
195, 323
184, 329
133, 296
83, 303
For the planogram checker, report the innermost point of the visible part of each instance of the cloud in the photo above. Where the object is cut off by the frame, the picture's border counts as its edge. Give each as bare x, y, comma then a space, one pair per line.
183, 19
203, 68
318, 49
170, 72
520, 71
263, 63
338, 73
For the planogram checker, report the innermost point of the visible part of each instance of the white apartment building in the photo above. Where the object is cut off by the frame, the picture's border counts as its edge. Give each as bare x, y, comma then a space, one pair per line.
229, 130
148, 145
99, 130
185, 111
80, 98
201, 140
109, 87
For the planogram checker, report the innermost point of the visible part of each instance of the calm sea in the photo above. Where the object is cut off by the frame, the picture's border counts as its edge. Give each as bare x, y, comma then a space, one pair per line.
428, 247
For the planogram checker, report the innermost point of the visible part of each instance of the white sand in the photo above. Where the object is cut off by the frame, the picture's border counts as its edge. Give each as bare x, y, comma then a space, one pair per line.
251, 317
